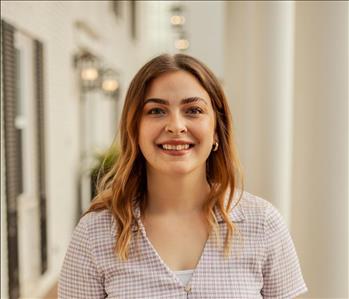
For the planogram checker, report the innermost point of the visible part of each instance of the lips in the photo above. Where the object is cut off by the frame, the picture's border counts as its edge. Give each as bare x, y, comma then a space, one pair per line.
176, 147
173, 147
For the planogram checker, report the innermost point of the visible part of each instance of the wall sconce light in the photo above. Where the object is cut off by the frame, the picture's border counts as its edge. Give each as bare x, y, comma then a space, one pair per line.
88, 66
182, 42
110, 82
89, 74
177, 18
93, 76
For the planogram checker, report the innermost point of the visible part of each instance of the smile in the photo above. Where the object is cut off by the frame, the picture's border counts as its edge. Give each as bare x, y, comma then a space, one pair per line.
175, 150
179, 147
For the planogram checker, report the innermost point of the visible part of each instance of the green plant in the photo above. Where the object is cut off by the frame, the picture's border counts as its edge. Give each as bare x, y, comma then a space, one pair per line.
104, 162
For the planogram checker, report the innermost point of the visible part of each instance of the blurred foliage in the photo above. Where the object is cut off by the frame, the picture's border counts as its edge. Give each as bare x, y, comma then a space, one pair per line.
104, 162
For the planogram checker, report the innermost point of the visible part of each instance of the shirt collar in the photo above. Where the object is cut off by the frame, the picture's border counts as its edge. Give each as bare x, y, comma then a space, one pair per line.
236, 214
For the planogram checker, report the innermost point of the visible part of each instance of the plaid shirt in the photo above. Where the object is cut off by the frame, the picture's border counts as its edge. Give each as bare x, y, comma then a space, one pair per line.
263, 263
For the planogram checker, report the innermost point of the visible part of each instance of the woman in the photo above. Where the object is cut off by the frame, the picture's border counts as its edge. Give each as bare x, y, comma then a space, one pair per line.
170, 219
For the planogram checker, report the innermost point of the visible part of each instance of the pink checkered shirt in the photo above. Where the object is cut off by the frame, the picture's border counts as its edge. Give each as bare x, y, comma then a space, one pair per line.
263, 263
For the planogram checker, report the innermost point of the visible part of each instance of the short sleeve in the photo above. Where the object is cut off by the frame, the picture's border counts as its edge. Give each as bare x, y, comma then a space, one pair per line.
282, 276
79, 276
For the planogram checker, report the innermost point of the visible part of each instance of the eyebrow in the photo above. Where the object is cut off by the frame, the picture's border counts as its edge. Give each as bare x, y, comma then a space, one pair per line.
183, 101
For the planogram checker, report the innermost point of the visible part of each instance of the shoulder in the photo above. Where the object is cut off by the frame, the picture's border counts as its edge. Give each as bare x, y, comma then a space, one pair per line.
251, 208
259, 215
102, 217
96, 223
253, 203
262, 216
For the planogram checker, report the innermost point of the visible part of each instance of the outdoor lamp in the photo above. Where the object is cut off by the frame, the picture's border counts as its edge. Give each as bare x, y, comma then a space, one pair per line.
177, 18
89, 70
182, 42
109, 82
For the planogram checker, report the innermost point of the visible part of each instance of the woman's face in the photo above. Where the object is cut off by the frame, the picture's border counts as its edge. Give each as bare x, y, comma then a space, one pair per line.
177, 128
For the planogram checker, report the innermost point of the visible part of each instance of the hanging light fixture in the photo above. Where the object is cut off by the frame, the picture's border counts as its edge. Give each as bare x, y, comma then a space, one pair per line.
89, 74
88, 66
177, 17
177, 20
110, 82
93, 76
181, 43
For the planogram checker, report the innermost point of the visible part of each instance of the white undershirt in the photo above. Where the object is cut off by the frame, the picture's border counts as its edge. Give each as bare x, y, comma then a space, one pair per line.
184, 275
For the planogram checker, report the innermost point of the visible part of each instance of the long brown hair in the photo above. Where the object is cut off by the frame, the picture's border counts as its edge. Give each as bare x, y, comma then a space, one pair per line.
126, 181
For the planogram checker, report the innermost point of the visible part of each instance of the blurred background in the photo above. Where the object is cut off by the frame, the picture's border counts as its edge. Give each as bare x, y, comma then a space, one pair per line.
65, 68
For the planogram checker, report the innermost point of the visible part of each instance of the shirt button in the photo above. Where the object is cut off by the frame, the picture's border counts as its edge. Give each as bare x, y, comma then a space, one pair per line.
188, 288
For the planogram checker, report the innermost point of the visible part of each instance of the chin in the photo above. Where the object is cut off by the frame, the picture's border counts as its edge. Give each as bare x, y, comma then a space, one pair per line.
178, 170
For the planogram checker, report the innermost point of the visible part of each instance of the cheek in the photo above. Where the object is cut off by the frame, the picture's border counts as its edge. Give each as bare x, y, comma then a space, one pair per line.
204, 130
147, 133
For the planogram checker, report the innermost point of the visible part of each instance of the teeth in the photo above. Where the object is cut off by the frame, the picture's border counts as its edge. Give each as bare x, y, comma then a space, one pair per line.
175, 147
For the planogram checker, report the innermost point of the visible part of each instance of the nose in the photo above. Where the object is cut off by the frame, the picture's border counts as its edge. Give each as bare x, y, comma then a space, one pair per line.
176, 125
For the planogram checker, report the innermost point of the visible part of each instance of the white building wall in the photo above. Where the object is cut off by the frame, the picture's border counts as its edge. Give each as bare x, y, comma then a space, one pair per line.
206, 32
287, 72
320, 152
259, 78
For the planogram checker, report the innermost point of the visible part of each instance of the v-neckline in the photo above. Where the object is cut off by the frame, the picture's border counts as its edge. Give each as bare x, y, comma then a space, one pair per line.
237, 215
163, 263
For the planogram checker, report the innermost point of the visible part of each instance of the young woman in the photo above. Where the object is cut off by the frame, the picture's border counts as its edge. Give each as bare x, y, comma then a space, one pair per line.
170, 219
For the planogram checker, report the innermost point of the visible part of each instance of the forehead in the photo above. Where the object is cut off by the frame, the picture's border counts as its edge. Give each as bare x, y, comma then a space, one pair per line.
175, 86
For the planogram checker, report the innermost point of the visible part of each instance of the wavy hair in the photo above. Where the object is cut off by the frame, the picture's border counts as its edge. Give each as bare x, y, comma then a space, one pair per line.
126, 181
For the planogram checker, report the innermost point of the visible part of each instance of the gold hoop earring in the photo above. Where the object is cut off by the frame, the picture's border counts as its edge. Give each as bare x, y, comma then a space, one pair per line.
215, 146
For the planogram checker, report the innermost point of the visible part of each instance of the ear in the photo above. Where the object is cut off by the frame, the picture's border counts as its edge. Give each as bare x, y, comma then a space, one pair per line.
215, 138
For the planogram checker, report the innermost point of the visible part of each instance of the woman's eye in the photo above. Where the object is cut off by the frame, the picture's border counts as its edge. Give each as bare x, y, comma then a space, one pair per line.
195, 110
156, 111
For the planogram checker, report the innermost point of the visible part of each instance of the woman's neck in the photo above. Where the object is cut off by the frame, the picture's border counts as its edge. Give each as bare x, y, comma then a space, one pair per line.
176, 195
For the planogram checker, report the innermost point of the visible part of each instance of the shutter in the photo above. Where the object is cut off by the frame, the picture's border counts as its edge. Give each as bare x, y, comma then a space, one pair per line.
12, 152
40, 131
